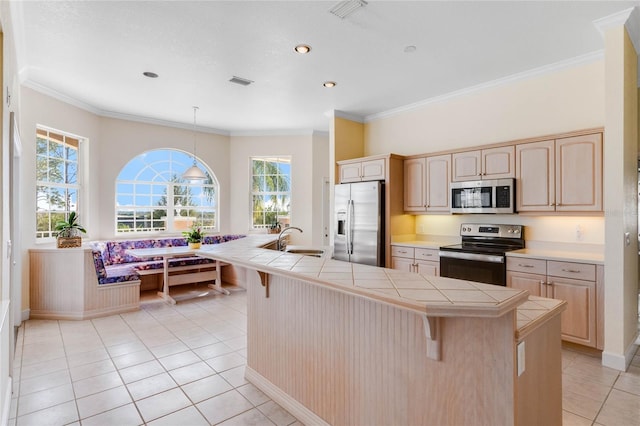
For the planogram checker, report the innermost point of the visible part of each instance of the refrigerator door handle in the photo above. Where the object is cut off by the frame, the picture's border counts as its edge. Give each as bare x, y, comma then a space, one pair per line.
350, 228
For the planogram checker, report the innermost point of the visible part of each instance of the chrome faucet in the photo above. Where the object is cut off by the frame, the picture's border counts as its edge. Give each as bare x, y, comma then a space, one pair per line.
279, 244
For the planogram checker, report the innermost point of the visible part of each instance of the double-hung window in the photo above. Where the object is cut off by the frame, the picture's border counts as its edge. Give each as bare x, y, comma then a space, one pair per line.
270, 191
57, 179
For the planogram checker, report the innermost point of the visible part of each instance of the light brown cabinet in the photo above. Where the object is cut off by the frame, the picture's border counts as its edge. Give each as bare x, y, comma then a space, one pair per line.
490, 163
419, 260
561, 175
579, 284
426, 184
360, 171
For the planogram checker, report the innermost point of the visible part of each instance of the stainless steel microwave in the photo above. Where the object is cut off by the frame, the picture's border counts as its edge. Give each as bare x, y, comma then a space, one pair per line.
483, 196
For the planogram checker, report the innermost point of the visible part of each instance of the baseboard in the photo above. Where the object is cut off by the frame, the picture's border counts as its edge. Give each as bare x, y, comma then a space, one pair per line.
620, 362
299, 411
84, 315
4, 419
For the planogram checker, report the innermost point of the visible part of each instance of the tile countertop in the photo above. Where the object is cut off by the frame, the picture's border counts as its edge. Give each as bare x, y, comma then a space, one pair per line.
420, 244
562, 256
434, 296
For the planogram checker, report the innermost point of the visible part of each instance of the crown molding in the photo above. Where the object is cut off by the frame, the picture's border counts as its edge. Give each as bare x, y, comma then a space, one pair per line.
630, 18
536, 72
348, 116
257, 133
111, 114
617, 19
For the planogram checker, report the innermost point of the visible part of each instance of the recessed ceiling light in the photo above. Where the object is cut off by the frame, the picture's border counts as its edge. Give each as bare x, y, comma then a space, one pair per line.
329, 84
409, 49
150, 74
302, 48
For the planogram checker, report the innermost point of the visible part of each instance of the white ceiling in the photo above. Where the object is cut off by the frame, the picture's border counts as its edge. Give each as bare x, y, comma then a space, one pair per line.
95, 52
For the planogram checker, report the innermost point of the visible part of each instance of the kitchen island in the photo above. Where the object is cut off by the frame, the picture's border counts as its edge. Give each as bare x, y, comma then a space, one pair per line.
341, 343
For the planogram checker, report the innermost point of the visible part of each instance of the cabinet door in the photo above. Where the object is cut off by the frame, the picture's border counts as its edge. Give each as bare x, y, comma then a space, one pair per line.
428, 268
535, 174
438, 179
498, 163
466, 166
579, 173
373, 170
578, 323
534, 283
402, 264
414, 185
350, 172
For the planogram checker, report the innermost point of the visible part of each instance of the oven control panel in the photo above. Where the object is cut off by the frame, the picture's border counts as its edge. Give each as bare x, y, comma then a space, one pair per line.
490, 230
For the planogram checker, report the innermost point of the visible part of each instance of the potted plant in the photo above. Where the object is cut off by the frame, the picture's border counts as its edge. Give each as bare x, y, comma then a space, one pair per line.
194, 236
274, 228
69, 232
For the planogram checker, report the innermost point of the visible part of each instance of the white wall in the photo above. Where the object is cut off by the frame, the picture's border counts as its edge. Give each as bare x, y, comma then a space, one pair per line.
304, 182
563, 101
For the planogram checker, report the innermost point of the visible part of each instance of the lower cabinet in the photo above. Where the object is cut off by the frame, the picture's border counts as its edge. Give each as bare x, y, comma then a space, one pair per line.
419, 260
579, 284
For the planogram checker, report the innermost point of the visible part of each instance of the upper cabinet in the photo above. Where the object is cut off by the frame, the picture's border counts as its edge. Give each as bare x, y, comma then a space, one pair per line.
426, 184
359, 171
490, 163
561, 175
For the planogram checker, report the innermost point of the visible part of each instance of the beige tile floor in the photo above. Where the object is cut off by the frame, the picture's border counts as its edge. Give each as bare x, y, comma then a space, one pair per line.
184, 365
163, 365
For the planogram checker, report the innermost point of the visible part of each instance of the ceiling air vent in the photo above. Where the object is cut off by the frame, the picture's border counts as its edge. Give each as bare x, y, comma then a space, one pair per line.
241, 81
346, 8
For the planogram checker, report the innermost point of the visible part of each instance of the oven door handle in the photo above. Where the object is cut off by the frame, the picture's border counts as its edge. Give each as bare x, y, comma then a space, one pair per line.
472, 256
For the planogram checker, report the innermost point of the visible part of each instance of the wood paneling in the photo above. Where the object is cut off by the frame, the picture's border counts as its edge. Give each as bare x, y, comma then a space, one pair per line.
64, 285
351, 360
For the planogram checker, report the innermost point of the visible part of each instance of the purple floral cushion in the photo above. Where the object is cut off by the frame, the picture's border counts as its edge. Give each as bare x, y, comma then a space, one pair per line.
101, 272
114, 265
112, 274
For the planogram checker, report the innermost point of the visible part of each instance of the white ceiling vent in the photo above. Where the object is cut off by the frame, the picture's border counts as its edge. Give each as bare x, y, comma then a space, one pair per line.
241, 81
347, 7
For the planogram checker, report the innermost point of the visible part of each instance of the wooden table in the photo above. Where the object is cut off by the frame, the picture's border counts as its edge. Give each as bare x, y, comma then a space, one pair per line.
170, 253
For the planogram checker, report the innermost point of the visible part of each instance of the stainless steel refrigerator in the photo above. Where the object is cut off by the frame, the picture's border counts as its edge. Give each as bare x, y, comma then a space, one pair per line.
359, 223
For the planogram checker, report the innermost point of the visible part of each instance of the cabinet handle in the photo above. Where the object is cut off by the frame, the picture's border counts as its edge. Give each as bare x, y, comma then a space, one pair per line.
552, 204
525, 265
573, 271
542, 282
402, 252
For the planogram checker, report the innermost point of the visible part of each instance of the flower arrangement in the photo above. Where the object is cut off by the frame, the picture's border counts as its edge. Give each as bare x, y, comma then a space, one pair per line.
194, 235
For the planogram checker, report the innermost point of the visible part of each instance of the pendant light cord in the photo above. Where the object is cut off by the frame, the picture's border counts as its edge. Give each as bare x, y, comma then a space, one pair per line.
195, 109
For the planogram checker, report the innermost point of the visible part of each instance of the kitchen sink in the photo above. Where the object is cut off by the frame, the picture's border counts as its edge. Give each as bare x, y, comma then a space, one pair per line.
306, 252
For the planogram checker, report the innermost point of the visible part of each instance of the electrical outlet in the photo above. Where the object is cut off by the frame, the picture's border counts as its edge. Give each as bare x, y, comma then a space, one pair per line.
520, 360
579, 233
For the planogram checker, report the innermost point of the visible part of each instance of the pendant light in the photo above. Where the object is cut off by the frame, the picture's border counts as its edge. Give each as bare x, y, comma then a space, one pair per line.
194, 173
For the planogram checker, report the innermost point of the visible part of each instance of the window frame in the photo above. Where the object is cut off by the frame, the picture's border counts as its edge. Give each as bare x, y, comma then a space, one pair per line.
289, 193
79, 187
169, 193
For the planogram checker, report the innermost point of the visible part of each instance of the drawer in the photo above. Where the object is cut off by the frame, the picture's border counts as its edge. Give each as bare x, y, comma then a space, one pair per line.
427, 254
522, 264
579, 271
402, 251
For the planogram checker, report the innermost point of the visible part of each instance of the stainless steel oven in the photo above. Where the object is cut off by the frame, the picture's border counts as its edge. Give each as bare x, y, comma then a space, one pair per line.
481, 256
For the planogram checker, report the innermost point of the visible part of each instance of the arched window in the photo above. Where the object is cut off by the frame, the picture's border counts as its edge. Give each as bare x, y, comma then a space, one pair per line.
151, 196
